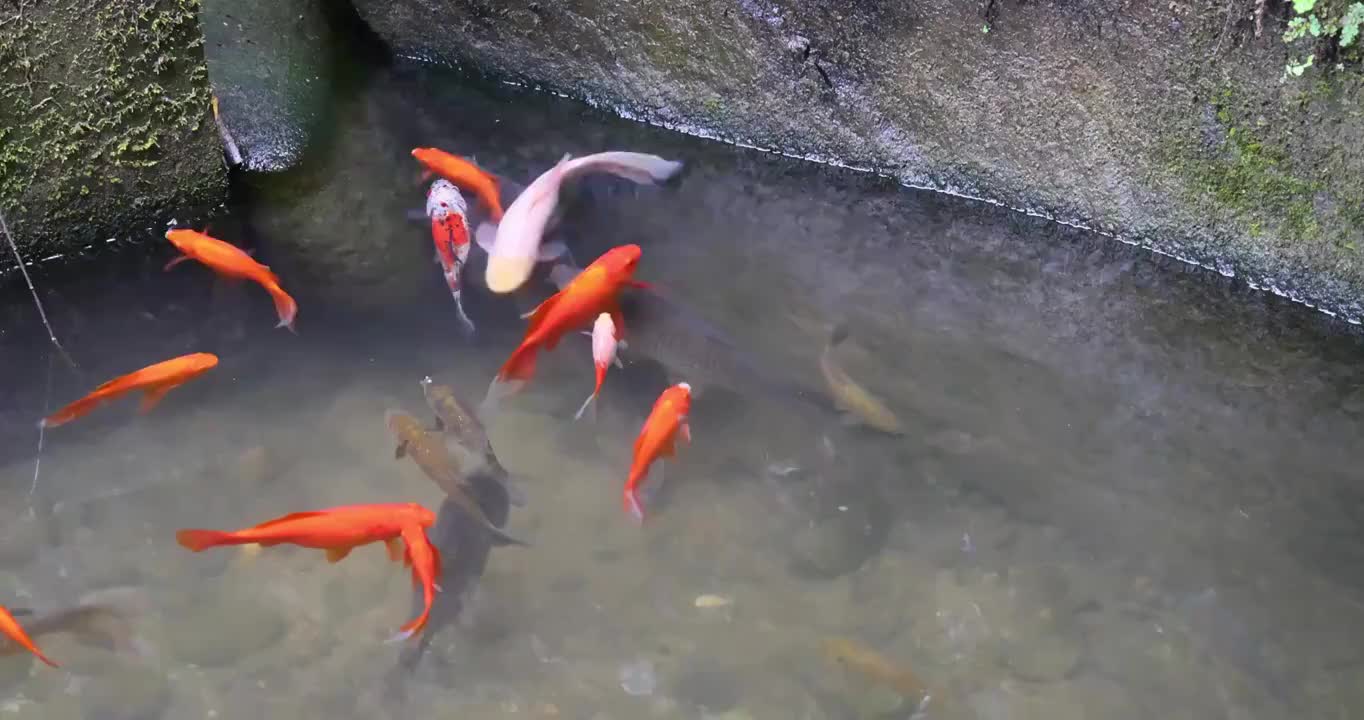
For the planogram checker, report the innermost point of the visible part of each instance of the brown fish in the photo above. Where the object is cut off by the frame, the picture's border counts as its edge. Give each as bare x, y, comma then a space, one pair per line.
429, 452
102, 619
859, 404
460, 424
872, 665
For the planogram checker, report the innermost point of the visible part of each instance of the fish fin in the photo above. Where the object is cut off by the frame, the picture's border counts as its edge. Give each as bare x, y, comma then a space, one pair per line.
20, 612
337, 554
516, 495
838, 334
639, 284
552, 251
485, 235
578, 415
501, 538
466, 325
291, 517
395, 549
520, 366
200, 540
285, 306
563, 273
426, 175
175, 262
415, 215
400, 451
686, 432
544, 305
152, 396
633, 507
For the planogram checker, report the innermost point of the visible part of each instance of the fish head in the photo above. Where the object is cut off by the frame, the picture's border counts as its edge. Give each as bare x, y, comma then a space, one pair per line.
425, 155
401, 423
444, 199
681, 398
181, 238
620, 262
425, 382
201, 362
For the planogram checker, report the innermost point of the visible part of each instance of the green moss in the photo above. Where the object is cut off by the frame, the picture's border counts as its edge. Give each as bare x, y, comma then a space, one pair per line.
1249, 176
93, 95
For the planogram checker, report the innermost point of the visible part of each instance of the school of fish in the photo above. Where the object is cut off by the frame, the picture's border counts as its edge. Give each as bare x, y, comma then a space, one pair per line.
453, 450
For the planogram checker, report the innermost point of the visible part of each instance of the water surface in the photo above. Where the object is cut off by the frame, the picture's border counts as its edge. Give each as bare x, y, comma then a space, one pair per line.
1126, 489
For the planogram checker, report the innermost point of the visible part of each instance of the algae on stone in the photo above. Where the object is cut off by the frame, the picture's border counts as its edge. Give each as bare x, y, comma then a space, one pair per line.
1096, 112
104, 119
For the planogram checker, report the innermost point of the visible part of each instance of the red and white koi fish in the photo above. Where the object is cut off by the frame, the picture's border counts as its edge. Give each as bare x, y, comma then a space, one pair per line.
604, 344
448, 211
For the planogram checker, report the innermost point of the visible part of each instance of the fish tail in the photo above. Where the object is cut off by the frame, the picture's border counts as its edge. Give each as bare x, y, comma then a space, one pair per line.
838, 334
521, 364
75, 410
413, 627
284, 306
200, 540
641, 168
632, 504
578, 415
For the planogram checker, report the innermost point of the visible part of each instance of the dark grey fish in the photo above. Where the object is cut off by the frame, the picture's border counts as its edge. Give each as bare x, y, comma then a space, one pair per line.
464, 548
103, 619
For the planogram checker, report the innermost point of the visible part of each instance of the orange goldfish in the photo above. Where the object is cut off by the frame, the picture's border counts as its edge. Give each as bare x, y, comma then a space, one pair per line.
232, 262
15, 632
336, 530
465, 174
154, 381
658, 439
425, 561
604, 345
595, 290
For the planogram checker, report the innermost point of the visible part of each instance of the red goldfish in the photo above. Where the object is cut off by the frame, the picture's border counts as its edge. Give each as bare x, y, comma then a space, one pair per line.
154, 381
595, 290
658, 439
336, 530
604, 345
464, 174
425, 561
16, 633
450, 232
232, 262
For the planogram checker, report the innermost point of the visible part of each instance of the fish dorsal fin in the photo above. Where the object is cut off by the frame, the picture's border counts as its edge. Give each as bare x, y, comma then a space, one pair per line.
541, 311
291, 517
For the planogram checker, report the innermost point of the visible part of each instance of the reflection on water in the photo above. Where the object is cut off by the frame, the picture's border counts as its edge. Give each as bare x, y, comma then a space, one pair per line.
1123, 490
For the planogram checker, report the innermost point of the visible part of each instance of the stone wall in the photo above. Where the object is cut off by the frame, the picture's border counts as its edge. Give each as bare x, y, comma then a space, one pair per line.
1165, 123
105, 126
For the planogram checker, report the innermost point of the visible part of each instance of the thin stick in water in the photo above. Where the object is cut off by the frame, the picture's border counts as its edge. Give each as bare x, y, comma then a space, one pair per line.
41, 313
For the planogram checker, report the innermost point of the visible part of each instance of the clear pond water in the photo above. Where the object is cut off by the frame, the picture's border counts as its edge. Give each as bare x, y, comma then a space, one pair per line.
1125, 490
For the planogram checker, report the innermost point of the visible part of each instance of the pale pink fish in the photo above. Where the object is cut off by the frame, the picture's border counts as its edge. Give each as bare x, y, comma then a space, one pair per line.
604, 344
514, 245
